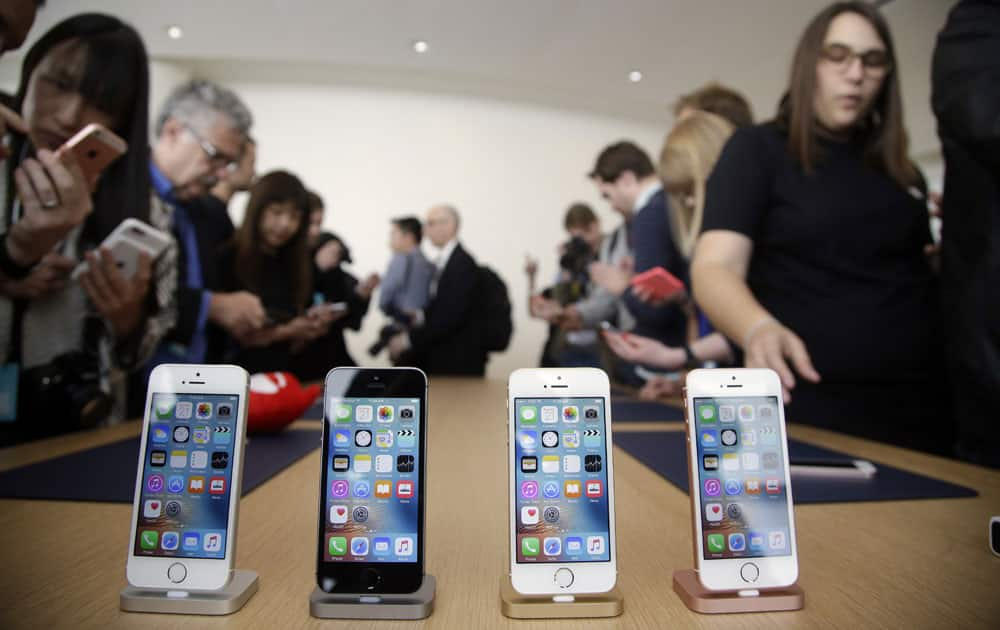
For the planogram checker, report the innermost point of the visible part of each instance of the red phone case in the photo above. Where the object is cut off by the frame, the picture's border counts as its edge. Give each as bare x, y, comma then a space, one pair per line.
660, 282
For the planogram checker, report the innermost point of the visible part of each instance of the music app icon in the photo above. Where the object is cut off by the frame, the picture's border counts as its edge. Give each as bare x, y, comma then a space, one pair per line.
404, 546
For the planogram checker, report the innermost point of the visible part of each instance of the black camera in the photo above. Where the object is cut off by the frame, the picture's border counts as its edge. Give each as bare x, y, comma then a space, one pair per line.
577, 256
590, 414
406, 413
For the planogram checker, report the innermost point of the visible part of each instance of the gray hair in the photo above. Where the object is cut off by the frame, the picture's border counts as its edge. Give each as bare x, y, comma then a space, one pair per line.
197, 102
453, 213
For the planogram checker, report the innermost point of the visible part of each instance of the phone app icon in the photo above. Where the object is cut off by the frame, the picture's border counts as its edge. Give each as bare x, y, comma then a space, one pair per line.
381, 546
529, 515
172, 509
383, 489
727, 413
199, 459
157, 458
341, 438
363, 438
728, 437
595, 545
183, 410
404, 546
571, 439
341, 463
752, 485
751, 461
710, 462
362, 489
595, 489
528, 440
385, 414
592, 438
713, 512
748, 438
404, 489
746, 413
217, 485
152, 508
770, 460
756, 541
550, 490
196, 485
529, 464
550, 464
592, 463
730, 462
175, 484
550, 439
709, 438
154, 483
222, 435
529, 490
529, 415
551, 514
572, 489
364, 413
220, 459
407, 413
362, 463
224, 412
591, 414
338, 514
737, 542
181, 433
571, 464
406, 438
160, 433
734, 511
776, 539
712, 487
716, 543
360, 514
338, 546
191, 541
772, 486
170, 541
383, 463
359, 546
178, 459
342, 413
383, 438
203, 411
550, 414
706, 413
733, 487
339, 488
529, 546
571, 413
574, 545
149, 539
768, 435
201, 434
164, 407
552, 546
766, 412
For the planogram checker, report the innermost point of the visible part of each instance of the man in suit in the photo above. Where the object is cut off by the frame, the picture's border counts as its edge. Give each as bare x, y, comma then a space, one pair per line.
448, 337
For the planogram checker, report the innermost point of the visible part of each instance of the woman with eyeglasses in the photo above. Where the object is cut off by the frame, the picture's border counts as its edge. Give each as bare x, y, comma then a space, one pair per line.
811, 257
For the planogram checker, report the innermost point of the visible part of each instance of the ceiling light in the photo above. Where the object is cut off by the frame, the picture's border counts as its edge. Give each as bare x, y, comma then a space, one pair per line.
175, 32
635, 76
420, 46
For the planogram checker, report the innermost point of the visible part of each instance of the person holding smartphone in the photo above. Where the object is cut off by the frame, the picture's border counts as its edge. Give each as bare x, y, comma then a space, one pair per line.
89, 68
811, 257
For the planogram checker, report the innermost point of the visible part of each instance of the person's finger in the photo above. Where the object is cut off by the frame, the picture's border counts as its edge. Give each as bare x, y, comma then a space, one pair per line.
775, 360
13, 120
59, 263
68, 161
102, 288
112, 276
62, 178
93, 293
40, 182
143, 275
796, 350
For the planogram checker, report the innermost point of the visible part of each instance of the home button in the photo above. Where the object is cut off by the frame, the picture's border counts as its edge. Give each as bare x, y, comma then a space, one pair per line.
749, 572
371, 579
564, 578
177, 572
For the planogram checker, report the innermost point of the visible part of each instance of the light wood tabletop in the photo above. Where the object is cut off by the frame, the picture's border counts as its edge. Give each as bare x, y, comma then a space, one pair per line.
912, 564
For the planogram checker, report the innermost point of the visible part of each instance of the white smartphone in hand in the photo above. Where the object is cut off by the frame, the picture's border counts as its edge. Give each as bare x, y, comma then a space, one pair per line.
187, 490
126, 242
741, 498
561, 480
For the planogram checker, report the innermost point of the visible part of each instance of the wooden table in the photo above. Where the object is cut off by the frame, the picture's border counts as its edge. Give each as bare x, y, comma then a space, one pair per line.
904, 564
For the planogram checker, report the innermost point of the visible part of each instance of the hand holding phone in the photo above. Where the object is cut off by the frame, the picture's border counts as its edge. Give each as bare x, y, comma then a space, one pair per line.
126, 242
95, 147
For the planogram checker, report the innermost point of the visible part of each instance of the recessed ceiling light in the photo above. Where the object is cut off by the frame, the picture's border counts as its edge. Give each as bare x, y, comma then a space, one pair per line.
635, 76
420, 46
175, 32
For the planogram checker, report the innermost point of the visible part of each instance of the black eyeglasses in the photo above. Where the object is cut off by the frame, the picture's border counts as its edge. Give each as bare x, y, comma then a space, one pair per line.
216, 156
874, 61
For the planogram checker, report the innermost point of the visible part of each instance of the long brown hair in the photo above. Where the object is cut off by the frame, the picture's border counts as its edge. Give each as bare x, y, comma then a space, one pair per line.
275, 187
884, 136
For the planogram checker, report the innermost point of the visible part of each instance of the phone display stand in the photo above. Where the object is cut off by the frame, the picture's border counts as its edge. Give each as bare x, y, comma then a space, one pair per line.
701, 600
237, 592
578, 606
402, 606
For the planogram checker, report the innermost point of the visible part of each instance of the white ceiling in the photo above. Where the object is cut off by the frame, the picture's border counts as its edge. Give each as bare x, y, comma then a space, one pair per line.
569, 53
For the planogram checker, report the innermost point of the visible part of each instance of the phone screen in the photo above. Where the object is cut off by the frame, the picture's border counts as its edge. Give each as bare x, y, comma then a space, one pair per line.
187, 473
561, 481
372, 496
741, 473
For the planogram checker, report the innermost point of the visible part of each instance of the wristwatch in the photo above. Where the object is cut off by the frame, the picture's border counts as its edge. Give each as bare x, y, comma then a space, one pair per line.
8, 265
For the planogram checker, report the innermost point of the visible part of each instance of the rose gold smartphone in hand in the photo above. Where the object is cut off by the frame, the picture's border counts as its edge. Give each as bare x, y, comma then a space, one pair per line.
95, 148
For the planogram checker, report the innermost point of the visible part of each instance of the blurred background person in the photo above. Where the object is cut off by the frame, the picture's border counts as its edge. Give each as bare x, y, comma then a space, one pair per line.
716, 99
407, 280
